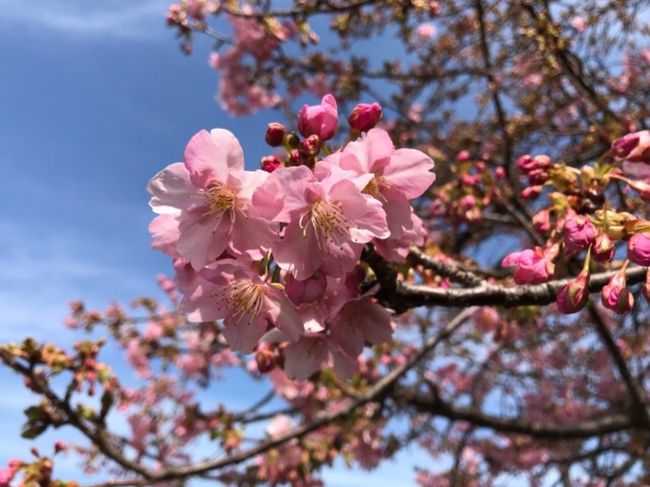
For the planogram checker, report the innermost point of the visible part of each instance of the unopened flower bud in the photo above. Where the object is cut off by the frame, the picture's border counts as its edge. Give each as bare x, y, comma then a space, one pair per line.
638, 249
365, 116
320, 119
537, 176
294, 157
579, 233
615, 295
574, 295
270, 163
310, 146
634, 147
603, 249
528, 163
275, 133
531, 192
60, 446
463, 156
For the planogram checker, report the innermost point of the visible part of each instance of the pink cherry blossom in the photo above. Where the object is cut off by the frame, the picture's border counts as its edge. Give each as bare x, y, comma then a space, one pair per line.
306, 291
397, 175
425, 31
210, 196
337, 327
328, 219
164, 234
138, 358
397, 249
534, 266
247, 304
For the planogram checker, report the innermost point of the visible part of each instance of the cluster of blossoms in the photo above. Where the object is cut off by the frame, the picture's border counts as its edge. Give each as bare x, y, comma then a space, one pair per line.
596, 234
275, 253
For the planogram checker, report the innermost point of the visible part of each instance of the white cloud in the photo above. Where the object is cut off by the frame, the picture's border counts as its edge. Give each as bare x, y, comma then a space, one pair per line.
125, 19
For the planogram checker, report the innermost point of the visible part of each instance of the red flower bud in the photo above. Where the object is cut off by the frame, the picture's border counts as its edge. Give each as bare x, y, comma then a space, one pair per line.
274, 134
270, 163
365, 116
310, 146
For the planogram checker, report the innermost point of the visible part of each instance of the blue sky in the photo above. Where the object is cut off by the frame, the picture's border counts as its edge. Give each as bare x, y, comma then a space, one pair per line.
95, 97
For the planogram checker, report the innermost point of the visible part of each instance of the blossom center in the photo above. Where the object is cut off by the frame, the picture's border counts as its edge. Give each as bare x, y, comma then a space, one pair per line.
221, 200
329, 223
375, 187
244, 301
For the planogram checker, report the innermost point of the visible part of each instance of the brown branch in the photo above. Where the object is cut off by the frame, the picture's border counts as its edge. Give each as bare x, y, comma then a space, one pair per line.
318, 8
376, 393
401, 297
98, 436
588, 428
444, 268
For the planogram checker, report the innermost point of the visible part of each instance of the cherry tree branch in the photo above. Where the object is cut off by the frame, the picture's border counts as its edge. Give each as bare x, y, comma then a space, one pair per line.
376, 393
401, 297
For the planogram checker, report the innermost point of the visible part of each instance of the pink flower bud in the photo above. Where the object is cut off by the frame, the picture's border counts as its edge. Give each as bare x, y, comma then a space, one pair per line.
615, 295
294, 157
574, 296
308, 290
270, 163
467, 202
579, 233
634, 147
531, 192
319, 119
310, 146
463, 156
537, 176
528, 163
638, 249
365, 116
274, 134
500, 173
60, 446
603, 249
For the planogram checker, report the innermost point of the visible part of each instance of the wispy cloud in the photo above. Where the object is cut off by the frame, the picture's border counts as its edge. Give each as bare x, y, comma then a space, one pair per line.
125, 19
40, 275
